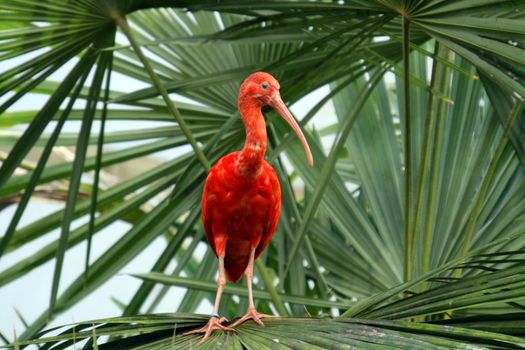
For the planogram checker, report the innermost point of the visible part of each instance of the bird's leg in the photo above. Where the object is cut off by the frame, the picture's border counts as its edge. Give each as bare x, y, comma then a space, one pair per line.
215, 322
252, 312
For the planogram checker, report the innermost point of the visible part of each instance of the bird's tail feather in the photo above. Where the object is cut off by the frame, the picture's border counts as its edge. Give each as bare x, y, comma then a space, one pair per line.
235, 266
236, 259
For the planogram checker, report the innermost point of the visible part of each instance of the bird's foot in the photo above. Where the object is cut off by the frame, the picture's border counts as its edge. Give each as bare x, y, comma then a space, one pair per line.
214, 323
254, 315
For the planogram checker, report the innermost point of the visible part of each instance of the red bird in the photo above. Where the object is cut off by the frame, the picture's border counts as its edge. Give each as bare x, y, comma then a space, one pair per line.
241, 201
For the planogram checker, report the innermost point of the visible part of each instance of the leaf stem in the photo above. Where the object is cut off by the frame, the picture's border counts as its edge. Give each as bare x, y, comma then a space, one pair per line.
409, 214
278, 303
98, 162
124, 26
425, 162
434, 175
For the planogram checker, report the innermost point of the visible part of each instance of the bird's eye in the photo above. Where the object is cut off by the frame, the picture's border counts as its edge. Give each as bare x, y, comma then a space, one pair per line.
264, 85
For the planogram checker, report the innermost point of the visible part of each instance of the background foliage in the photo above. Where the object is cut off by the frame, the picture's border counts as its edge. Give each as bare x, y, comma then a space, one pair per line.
412, 218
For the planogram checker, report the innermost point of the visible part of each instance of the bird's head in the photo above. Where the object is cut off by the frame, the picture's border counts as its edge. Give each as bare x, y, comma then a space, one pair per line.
262, 89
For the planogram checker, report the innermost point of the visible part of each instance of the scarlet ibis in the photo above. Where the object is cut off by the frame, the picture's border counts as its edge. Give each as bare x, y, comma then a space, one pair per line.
241, 201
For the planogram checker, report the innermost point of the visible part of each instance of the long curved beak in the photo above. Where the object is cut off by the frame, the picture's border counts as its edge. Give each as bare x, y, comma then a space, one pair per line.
277, 103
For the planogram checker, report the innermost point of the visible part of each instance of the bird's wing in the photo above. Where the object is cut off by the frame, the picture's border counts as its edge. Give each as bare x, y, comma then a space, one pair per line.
275, 210
206, 208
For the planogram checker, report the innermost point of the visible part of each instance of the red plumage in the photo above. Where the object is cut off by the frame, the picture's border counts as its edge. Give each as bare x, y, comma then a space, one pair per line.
239, 213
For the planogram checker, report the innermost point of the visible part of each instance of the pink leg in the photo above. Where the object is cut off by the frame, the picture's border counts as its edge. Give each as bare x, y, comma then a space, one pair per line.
252, 312
215, 321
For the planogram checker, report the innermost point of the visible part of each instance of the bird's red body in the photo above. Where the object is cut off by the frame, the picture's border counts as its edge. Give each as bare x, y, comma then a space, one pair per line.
241, 201
240, 213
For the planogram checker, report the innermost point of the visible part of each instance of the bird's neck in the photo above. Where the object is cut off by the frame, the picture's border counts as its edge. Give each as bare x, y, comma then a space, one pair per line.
250, 160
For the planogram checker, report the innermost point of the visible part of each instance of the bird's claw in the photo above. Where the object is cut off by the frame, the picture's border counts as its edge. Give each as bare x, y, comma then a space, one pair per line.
223, 319
254, 315
214, 323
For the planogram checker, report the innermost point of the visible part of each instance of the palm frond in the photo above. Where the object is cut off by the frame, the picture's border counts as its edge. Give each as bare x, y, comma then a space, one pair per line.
158, 331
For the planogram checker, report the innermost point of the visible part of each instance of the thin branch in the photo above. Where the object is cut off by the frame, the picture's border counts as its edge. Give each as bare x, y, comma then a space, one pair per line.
409, 214
278, 303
